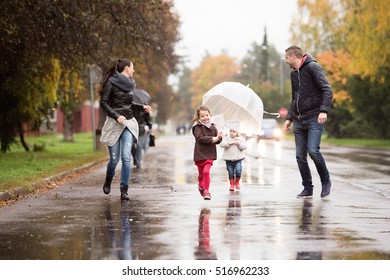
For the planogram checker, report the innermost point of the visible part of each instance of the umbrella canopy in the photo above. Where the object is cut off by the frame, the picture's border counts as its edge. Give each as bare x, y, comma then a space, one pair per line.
141, 96
233, 102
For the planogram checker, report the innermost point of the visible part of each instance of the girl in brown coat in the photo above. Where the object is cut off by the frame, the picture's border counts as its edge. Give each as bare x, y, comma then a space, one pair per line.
205, 150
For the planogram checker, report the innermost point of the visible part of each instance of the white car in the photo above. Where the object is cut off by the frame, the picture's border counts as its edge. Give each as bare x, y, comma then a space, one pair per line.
270, 130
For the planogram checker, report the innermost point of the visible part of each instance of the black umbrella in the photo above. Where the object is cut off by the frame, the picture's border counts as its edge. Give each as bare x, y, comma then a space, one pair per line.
141, 96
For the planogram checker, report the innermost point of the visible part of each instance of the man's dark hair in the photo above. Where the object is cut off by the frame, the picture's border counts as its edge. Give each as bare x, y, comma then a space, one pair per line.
294, 50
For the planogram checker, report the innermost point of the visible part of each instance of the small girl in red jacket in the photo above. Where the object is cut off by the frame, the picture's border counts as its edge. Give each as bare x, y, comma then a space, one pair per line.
205, 150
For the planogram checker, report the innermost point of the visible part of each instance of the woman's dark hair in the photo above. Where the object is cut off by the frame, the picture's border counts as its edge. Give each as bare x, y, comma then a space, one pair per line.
115, 66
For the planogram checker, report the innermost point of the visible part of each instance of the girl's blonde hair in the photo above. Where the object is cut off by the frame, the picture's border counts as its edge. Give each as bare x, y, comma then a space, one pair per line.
200, 108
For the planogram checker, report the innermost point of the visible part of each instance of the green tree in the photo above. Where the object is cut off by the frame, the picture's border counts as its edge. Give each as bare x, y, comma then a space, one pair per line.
372, 103
77, 34
264, 69
26, 98
352, 32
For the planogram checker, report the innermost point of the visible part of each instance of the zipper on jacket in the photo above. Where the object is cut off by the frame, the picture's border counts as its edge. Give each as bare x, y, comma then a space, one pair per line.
299, 84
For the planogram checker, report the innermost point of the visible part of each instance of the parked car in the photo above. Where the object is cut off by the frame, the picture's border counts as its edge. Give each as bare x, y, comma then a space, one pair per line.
270, 130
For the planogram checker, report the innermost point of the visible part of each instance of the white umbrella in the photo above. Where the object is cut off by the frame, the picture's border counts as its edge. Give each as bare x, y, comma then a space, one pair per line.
233, 102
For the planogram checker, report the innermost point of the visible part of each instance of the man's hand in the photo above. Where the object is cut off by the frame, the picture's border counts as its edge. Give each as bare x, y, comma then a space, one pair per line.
322, 117
287, 125
147, 108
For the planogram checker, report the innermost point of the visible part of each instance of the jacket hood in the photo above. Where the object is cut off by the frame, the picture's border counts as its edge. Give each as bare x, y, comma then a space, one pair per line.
307, 60
122, 82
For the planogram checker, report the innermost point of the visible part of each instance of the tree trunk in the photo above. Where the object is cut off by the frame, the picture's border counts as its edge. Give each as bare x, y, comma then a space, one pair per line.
68, 126
21, 136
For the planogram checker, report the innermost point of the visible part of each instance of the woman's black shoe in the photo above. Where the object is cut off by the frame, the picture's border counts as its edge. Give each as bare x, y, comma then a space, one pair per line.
107, 185
124, 195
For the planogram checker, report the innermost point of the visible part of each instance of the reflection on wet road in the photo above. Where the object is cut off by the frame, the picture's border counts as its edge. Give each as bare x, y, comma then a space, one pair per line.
233, 225
118, 233
204, 250
167, 219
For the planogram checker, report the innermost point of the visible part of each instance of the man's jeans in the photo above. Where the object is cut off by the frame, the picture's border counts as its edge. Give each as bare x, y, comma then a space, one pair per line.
137, 151
122, 149
234, 168
307, 139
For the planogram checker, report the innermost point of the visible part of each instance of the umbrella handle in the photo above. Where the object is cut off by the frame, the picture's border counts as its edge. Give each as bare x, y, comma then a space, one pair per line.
273, 114
226, 121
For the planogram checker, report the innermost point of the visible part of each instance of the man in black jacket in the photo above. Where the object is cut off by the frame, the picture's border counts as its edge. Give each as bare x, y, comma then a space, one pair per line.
311, 101
144, 126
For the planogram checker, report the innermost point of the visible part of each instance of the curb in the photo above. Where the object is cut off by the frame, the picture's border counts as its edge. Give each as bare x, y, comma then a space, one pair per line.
17, 192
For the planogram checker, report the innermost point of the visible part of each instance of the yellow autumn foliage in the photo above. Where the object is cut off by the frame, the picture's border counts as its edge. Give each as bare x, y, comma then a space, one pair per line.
361, 28
369, 36
338, 66
211, 71
51, 80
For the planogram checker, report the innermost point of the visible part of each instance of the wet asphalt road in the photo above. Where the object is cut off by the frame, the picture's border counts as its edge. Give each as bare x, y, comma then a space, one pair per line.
166, 219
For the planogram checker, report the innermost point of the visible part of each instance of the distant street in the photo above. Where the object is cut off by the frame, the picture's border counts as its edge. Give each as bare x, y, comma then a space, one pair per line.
166, 219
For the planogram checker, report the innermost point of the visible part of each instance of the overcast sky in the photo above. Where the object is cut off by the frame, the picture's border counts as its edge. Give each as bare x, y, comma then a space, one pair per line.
232, 26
